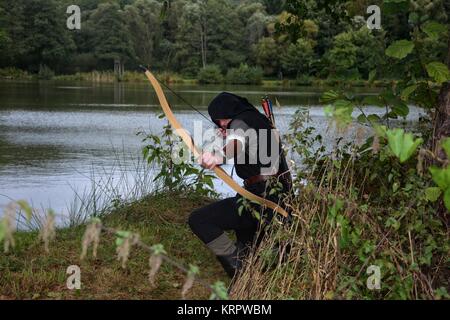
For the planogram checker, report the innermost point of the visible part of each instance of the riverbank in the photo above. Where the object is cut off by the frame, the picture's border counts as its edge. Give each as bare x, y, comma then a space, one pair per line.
28, 272
173, 78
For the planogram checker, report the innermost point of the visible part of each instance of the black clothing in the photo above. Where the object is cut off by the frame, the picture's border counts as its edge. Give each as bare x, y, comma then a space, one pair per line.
210, 222
233, 262
229, 106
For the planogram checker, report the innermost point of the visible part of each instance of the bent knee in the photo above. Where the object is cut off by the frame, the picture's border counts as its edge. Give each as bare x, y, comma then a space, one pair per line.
195, 219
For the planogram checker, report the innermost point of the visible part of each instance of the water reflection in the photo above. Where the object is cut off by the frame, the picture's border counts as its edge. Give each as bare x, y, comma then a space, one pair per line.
54, 135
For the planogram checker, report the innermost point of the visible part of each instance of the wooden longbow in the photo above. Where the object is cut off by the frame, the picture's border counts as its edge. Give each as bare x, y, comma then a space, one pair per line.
187, 139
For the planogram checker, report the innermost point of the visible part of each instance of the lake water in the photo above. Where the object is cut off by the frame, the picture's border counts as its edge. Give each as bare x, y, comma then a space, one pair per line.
56, 139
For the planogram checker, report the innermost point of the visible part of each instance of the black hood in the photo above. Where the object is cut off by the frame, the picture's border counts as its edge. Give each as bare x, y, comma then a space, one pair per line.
228, 106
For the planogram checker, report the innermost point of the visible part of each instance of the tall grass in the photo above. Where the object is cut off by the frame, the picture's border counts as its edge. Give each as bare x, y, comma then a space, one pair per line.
128, 76
359, 208
323, 256
128, 179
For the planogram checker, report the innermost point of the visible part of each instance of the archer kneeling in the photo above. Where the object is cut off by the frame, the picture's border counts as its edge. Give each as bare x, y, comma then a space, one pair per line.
259, 160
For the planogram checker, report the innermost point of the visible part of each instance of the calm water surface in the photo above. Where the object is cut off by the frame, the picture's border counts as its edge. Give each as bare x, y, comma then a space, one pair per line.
57, 138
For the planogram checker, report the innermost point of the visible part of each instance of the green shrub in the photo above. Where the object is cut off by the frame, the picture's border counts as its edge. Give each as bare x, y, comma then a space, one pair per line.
372, 206
303, 80
176, 170
245, 75
14, 74
210, 74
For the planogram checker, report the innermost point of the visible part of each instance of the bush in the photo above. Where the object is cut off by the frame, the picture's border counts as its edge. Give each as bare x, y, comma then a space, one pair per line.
245, 75
304, 80
361, 209
45, 73
210, 74
14, 74
176, 173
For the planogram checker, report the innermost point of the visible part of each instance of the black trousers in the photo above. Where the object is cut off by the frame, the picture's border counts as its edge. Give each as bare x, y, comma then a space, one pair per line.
210, 222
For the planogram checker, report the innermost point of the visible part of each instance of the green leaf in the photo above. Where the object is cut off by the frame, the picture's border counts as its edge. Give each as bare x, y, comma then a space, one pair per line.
441, 177
400, 108
26, 208
342, 112
334, 210
441, 293
219, 291
193, 270
95, 220
380, 130
445, 144
402, 144
362, 118
373, 118
447, 199
400, 49
344, 239
330, 96
408, 91
158, 249
257, 215
432, 194
434, 29
121, 236
392, 222
438, 71
373, 101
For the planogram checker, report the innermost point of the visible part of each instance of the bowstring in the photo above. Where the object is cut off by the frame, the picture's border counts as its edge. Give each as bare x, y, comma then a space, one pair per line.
182, 99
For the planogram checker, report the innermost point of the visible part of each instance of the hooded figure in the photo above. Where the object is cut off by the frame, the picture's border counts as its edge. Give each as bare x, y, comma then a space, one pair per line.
211, 222
239, 110
230, 106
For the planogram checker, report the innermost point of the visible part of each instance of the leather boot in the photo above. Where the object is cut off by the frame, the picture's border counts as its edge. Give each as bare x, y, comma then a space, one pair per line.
232, 263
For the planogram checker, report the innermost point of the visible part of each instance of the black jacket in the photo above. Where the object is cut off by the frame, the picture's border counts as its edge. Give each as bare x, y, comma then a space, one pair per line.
230, 106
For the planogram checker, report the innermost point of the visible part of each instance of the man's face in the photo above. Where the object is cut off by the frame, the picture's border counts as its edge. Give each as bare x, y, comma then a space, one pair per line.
223, 125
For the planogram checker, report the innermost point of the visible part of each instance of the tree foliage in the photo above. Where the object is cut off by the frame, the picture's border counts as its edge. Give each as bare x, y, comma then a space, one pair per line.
312, 38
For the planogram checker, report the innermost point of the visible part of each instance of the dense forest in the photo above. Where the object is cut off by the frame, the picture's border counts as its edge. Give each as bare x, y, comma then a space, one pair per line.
214, 36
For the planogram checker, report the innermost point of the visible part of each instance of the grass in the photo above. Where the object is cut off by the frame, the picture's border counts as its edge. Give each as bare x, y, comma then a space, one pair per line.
28, 272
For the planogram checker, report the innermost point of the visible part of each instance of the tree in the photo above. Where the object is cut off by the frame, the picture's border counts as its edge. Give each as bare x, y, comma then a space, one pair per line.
298, 58
355, 53
191, 41
39, 33
5, 43
111, 39
209, 32
143, 17
267, 55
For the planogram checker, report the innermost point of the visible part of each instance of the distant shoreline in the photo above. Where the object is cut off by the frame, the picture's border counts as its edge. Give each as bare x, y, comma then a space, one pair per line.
12, 74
